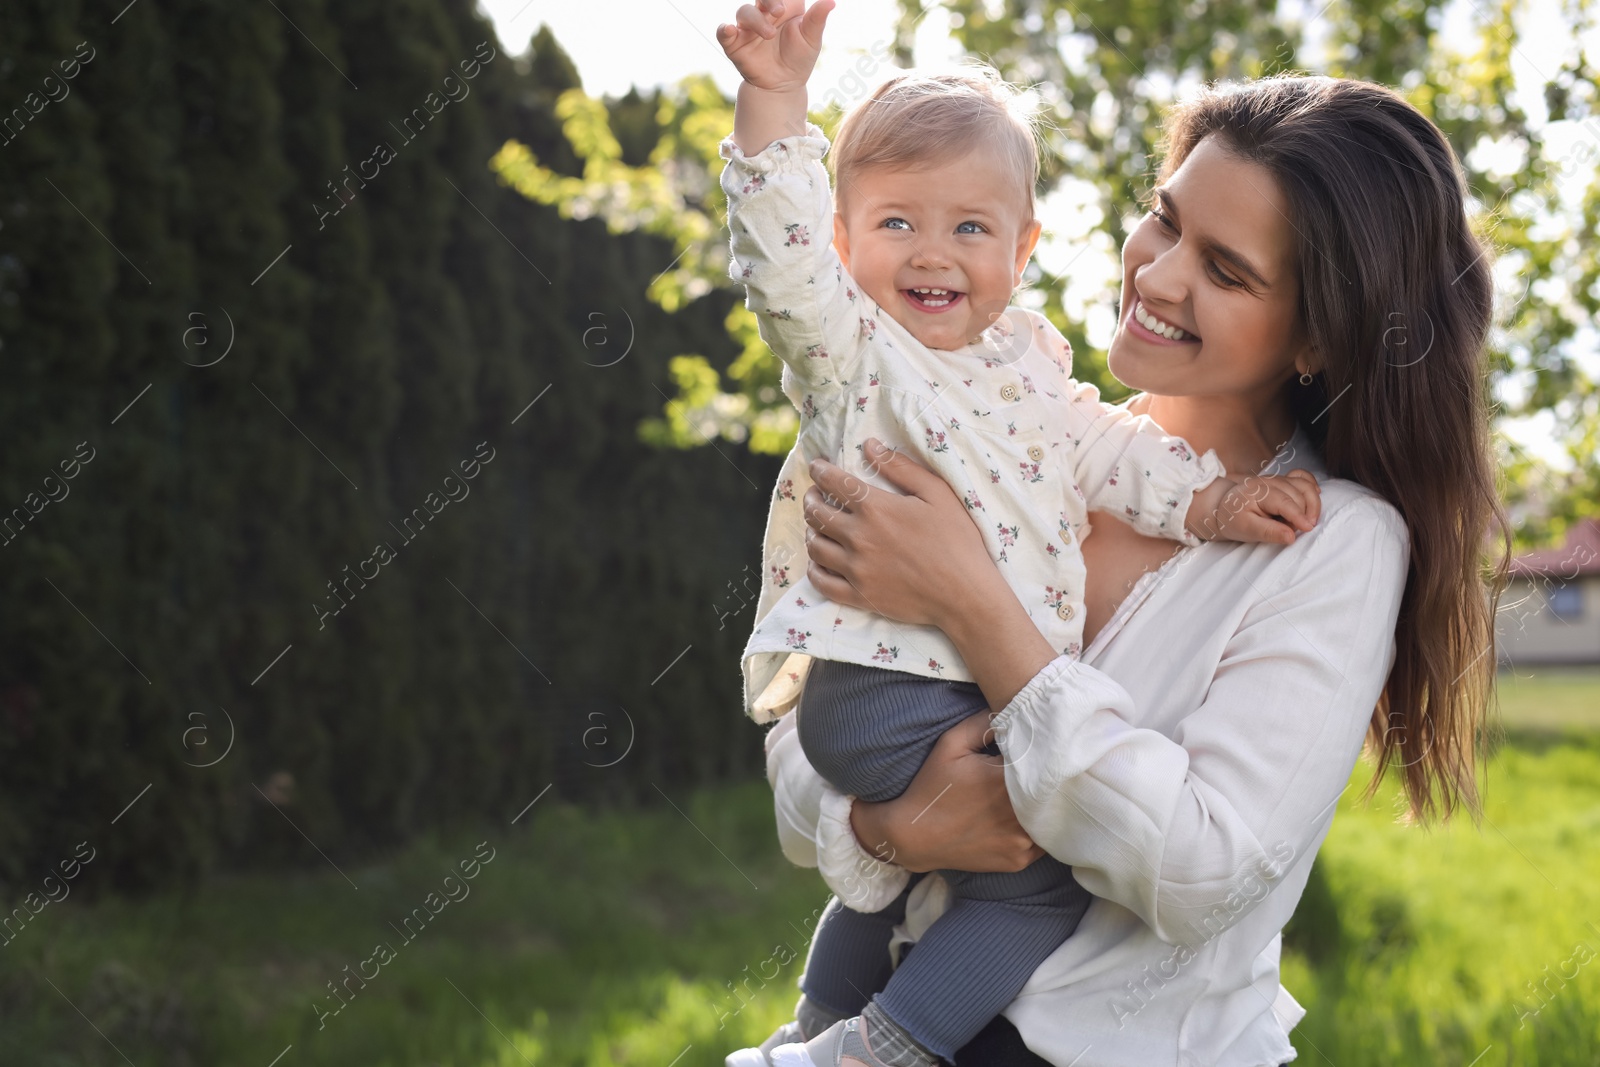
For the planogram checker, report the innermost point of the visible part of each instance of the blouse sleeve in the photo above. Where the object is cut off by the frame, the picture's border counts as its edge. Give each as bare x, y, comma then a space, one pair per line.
814, 827
1126, 465
780, 221
1168, 826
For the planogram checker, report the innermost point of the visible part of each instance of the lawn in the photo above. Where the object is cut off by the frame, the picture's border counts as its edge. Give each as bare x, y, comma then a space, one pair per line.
586, 939
1550, 698
667, 937
1461, 945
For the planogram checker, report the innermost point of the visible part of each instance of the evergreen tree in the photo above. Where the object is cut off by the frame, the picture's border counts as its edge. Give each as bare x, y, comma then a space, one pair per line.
386, 316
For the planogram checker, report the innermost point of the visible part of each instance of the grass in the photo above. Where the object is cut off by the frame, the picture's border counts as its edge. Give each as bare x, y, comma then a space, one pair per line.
1550, 698
587, 939
1459, 945
630, 938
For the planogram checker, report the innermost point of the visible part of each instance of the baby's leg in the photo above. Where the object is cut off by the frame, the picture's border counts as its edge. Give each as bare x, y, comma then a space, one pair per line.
868, 730
848, 960
977, 956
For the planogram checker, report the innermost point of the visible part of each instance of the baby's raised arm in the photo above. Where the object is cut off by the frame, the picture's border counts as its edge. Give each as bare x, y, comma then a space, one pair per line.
774, 44
780, 206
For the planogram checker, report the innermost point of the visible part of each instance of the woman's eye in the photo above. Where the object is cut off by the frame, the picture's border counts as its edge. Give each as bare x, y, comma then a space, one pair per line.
977, 227
1157, 214
1222, 278
890, 224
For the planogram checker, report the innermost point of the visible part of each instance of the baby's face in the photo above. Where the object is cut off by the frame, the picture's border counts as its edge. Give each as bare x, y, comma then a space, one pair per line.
960, 229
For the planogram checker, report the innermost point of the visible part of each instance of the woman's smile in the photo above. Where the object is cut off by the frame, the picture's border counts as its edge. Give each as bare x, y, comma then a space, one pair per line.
1147, 326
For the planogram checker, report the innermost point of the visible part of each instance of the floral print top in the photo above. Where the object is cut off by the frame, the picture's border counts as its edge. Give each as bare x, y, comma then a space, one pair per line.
1029, 449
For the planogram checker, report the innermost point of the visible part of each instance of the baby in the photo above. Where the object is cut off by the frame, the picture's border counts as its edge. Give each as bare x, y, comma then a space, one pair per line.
901, 328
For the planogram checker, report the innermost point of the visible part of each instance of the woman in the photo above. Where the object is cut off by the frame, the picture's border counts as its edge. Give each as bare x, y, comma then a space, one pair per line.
1309, 237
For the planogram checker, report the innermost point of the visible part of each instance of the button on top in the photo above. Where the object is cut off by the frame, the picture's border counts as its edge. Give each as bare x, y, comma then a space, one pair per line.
1065, 611
1035, 453
1008, 392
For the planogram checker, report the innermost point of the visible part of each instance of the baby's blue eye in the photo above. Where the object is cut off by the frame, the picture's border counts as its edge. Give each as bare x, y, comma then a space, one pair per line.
890, 223
977, 227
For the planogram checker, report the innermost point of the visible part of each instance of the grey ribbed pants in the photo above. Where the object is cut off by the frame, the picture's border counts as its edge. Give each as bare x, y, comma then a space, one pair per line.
867, 730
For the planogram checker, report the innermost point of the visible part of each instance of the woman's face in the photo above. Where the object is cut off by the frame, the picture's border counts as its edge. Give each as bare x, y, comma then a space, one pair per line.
1210, 285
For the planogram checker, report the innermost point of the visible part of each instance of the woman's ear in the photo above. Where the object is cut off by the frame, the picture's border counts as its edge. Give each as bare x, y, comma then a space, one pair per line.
1308, 360
841, 240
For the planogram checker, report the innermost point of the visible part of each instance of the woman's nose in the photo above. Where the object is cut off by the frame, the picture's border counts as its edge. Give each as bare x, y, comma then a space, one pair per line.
1163, 279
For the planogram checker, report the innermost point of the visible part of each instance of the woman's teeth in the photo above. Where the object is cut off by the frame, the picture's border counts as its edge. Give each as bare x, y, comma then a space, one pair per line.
1156, 326
934, 298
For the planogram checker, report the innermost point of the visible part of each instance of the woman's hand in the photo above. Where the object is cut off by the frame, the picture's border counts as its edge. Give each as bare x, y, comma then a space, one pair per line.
916, 557
956, 813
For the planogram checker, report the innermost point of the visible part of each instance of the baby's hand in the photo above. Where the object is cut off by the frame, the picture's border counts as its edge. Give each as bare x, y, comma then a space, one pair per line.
775, 42
1262, 508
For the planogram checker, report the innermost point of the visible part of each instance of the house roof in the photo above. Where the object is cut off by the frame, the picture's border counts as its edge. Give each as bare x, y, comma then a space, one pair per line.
1580, 555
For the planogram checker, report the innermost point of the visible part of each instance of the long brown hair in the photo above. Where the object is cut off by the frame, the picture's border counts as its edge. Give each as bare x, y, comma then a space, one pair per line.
1396, 297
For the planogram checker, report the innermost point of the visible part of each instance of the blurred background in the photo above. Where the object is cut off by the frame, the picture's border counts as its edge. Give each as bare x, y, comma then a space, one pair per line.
386, 454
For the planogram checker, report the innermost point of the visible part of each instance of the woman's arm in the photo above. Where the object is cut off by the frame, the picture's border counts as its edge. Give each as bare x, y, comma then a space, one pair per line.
957, 810
918, 558
960, 805
1176, 827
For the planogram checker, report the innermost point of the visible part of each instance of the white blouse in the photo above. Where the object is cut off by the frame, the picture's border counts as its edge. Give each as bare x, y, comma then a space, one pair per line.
1187, 768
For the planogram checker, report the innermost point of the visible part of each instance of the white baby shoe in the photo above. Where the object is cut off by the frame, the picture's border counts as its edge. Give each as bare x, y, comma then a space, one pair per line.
840, 1045
787, 1034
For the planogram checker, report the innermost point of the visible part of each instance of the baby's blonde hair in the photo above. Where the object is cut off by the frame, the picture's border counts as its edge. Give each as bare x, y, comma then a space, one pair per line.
919, 118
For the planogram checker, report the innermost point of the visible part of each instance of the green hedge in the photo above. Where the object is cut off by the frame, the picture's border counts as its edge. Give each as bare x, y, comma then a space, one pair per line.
178, 593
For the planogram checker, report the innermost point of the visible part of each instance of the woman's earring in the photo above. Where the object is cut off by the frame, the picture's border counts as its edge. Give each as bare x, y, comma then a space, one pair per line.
1305, 378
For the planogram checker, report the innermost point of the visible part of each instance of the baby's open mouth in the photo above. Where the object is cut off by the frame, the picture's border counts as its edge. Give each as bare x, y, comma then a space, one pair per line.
932, 299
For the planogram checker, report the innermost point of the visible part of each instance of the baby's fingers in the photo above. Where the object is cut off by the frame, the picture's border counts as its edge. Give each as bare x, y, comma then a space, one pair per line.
815, 19
1253, 526
1285, 502
756, 21
1310, 492
734, 40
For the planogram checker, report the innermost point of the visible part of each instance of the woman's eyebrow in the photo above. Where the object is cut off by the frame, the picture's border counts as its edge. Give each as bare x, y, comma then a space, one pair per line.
1218, 249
